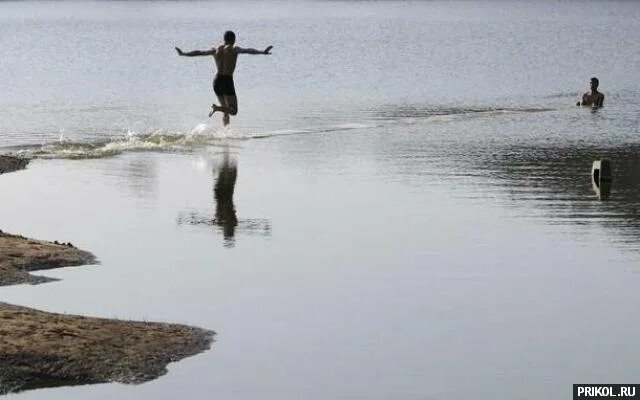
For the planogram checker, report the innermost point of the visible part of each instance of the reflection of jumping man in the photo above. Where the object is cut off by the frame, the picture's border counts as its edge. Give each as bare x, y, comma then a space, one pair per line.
225, 56
223, 194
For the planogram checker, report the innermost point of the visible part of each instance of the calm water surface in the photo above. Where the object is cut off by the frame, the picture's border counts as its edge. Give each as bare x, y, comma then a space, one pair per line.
402, 209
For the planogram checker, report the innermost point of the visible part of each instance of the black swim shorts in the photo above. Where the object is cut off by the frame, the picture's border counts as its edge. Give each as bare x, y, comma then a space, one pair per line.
223, 85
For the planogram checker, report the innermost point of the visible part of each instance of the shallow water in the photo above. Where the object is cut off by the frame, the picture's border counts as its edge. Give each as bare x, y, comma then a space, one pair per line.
402, 209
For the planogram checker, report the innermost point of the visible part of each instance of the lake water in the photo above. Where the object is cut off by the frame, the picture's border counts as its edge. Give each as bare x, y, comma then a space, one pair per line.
402, 209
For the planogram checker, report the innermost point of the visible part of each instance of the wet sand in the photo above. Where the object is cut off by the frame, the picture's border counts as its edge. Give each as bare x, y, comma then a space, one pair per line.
40, 349
10, 163
20, 255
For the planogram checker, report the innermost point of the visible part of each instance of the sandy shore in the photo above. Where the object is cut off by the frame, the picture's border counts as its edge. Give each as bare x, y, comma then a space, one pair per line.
40, 349
20, 255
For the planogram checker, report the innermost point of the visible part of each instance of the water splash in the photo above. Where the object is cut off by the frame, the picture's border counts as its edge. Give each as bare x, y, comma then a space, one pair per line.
131, 141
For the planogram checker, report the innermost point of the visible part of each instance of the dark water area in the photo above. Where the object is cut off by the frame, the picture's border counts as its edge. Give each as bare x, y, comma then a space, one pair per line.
558, 181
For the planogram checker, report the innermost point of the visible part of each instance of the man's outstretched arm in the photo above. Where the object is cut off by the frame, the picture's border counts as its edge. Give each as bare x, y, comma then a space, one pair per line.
195, 53
266, 51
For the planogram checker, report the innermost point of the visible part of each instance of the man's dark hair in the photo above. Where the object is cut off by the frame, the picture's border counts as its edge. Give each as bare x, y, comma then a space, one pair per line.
229, 37
595, 81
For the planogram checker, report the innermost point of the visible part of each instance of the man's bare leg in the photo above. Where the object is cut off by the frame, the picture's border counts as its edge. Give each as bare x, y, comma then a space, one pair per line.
223, 107
228, 105
220, 107
231, 102
223, 103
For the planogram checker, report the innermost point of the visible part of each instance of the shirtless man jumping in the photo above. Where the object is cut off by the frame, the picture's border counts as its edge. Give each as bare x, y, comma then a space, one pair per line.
594, 99
225, 56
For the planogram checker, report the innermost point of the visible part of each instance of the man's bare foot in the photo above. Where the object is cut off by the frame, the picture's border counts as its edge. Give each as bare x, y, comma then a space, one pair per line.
225, 120
214, 108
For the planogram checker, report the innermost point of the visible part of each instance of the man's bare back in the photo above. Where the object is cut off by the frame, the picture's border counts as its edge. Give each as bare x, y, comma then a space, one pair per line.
225, 56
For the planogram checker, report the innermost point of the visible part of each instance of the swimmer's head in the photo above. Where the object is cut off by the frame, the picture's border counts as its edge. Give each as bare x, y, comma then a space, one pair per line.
229, 37
594, 83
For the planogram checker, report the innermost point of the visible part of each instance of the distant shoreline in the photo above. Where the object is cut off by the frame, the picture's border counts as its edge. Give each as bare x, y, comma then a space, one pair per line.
41, 349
